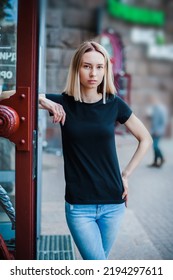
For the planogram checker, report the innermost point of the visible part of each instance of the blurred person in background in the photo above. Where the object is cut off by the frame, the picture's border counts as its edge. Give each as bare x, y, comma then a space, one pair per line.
157, 113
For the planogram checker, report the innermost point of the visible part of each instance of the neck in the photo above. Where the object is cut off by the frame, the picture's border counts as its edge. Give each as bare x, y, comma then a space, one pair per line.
90, 96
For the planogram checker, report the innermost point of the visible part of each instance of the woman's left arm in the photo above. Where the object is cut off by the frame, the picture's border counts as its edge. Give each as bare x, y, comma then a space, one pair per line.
136, 127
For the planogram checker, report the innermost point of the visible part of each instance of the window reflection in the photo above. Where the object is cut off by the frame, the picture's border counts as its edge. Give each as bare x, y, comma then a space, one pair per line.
8, 29
8, 40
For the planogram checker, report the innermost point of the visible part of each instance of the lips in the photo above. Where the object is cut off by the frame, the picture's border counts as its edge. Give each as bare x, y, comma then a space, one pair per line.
92, 81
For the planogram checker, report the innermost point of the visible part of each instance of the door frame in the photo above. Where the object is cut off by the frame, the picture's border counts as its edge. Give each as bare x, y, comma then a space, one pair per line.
25, 103
27, 85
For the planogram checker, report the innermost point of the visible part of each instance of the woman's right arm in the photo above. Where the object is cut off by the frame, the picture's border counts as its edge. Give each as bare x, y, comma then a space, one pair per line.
56, 109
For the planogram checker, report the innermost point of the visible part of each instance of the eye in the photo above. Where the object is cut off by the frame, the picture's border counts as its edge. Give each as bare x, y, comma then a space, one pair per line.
87, 66
100, 67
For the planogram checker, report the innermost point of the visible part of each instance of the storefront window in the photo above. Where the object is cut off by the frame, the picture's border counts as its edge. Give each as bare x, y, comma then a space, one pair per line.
8, 41
8, 26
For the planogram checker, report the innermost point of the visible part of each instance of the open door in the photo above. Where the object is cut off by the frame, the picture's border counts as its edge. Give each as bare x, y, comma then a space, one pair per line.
18, 116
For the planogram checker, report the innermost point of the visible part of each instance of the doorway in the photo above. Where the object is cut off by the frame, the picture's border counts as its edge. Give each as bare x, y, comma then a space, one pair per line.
18, 124
22, 59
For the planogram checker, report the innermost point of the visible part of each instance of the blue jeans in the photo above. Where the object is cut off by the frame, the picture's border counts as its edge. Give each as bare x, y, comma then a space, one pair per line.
94, 227
157, 152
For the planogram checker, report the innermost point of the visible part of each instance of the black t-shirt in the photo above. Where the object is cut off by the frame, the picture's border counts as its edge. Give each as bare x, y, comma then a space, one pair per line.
92, 172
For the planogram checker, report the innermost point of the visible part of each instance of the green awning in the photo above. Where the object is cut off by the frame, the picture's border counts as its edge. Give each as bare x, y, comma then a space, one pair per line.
135, 14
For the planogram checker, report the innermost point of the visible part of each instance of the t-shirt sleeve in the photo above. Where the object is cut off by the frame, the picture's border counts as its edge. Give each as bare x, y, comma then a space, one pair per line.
54, 97
124, 111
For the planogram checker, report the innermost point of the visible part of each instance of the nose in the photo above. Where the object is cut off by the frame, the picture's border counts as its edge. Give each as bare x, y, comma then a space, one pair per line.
93, 72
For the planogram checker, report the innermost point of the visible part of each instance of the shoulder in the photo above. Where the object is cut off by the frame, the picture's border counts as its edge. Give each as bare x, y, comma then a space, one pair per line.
115, 99
56, 97
124, 110
111, 98
119, 100
121, 103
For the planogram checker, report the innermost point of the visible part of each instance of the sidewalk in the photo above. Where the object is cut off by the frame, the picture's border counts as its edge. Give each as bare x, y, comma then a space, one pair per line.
146, 231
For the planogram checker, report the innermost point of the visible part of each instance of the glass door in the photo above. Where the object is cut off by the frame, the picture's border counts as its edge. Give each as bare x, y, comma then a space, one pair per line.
18, 124
8, 46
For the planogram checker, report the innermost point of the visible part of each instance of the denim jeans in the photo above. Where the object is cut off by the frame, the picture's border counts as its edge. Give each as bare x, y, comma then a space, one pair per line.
157, 152
94, 227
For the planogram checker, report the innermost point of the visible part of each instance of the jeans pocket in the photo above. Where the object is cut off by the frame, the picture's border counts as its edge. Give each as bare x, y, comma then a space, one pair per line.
68, 206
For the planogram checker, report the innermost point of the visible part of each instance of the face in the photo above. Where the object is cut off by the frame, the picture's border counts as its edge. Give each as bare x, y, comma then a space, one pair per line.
92, 69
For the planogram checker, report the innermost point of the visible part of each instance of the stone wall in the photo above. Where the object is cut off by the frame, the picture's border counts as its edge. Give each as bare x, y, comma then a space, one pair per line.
149, 75
68, 24
71, 22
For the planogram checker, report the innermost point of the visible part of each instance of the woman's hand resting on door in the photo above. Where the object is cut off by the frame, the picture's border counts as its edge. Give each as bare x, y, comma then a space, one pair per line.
56, 109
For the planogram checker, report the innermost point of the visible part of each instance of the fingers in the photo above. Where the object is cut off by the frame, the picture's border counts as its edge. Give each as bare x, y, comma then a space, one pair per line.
56, 109
125, 197
126, 200
63, 118
59, 114
125, 193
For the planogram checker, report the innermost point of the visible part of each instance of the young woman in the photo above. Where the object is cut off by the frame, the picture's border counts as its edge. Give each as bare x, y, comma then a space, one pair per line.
96, 192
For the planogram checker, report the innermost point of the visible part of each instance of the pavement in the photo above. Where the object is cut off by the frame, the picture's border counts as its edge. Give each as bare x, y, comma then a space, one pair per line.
147, 229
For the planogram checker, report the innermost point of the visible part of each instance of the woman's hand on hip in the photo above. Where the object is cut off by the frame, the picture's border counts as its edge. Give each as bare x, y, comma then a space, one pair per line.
125, 193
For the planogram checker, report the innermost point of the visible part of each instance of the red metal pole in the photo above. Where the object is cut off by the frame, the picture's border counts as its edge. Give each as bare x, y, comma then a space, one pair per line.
27, 68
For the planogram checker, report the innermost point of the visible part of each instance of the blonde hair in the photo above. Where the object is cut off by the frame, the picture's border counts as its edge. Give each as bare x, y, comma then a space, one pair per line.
73, 81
